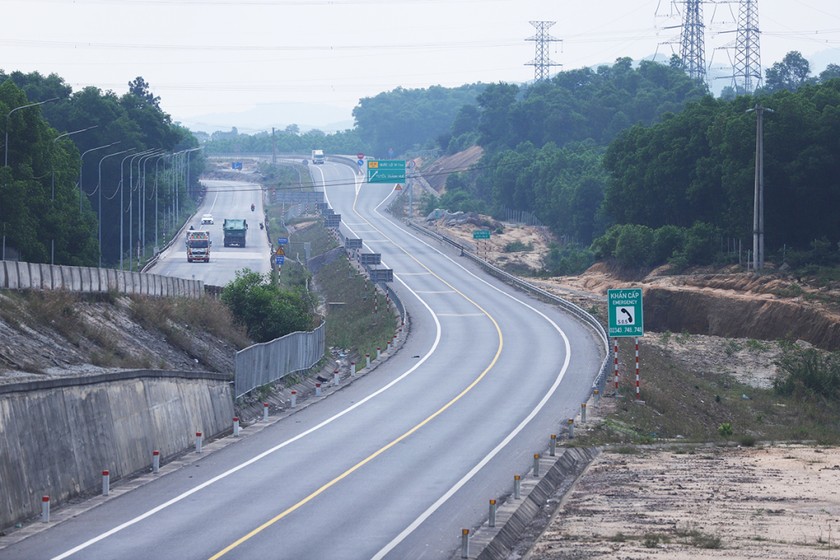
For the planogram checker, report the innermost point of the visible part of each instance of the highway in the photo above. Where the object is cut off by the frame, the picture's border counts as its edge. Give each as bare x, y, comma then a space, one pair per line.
224, 199
394, 464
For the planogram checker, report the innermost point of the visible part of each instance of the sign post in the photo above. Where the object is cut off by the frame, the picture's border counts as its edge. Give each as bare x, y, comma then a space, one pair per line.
626, 319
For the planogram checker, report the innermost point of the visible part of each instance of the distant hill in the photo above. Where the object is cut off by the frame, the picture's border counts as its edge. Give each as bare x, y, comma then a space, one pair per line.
262, 117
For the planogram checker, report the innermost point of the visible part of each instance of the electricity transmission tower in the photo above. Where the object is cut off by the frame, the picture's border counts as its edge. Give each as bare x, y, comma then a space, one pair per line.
692, 48
746, 75
542, 62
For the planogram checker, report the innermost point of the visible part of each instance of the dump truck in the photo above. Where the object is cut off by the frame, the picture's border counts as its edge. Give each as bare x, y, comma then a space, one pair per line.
235, 232
198, 245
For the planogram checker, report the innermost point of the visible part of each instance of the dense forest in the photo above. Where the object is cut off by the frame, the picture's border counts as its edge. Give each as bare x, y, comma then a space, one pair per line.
73, 161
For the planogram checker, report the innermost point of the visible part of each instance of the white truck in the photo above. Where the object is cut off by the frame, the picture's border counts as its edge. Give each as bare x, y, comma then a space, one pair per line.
317, 157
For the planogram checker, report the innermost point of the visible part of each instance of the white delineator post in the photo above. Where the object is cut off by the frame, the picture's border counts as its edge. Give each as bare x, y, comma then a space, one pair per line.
45, 509
265, 412
492, 521
317, 389
235, 426
367, 360
465, 543
155, 461
106, 483
583, 413
536, 465
198, 442
294, 398
336, 378
552, 445
517, 486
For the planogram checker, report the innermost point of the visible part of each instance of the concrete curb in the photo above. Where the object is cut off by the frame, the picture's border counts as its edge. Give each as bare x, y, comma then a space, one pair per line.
513, 516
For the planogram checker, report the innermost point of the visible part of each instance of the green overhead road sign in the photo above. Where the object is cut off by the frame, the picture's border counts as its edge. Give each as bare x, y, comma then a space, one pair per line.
625, 311
386, 171
481, 234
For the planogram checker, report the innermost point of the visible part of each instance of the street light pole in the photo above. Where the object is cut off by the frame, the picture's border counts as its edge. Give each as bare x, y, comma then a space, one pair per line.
9, 114
52, 181
131, 204
82, 166
99, 189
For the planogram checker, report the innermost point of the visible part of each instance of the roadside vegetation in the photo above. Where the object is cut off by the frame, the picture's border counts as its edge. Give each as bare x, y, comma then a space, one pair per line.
687, 401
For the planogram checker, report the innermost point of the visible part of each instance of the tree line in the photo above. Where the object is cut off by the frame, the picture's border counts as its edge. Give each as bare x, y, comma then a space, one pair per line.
68, 169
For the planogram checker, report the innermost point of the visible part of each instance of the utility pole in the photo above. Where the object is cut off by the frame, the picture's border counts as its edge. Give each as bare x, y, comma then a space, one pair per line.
758, 201
692, 45
746, 72
542, 63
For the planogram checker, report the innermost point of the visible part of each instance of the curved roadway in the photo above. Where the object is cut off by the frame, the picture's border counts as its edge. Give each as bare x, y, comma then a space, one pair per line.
394, 464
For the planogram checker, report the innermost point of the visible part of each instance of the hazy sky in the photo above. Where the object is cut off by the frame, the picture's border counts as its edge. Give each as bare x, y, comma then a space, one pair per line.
206, 57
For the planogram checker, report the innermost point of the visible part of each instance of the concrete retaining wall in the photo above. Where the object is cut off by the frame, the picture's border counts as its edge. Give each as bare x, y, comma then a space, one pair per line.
16, 275
57, 436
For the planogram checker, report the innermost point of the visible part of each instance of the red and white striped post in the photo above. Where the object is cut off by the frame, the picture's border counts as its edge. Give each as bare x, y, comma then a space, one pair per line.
45, 509
615, 362
106, 483
638, 394
235, 426
155, 461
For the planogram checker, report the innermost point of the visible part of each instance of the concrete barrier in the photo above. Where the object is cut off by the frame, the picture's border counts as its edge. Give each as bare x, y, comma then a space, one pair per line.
16, 275
57, 435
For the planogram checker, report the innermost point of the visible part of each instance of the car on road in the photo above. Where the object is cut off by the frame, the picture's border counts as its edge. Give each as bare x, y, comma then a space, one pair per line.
207, 219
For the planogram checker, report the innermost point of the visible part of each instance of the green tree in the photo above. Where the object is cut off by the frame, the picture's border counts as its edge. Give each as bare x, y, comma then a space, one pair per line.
266, 311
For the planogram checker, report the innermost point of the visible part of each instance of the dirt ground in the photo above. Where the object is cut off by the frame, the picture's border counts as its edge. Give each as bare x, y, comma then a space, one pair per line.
737, 503
686, 501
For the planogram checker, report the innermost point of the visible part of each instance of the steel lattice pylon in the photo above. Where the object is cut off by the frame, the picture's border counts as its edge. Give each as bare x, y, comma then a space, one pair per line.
692, 47
542, 63
746, 75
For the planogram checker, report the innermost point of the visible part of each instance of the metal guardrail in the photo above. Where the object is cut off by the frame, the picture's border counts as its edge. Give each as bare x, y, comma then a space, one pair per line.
568, 306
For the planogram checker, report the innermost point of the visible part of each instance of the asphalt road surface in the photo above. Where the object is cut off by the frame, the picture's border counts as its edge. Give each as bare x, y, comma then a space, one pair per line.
394, 464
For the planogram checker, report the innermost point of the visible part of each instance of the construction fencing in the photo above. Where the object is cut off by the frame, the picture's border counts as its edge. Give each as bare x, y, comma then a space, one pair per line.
268, 362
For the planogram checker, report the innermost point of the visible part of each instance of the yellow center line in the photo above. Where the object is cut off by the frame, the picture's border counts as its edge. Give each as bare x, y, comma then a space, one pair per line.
388, 446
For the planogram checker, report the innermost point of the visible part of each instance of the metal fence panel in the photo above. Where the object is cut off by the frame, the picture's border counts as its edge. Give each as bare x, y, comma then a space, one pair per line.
268, 362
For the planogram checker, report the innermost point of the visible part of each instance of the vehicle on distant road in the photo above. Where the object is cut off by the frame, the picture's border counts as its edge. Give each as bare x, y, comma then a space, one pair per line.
235, 231
198, 245
206, 219
318, 157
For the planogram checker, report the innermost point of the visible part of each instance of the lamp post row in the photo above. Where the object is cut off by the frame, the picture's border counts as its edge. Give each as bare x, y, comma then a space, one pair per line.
144, 157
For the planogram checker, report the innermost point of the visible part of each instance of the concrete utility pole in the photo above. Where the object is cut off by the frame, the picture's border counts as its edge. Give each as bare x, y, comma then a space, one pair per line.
758, 203
542, 63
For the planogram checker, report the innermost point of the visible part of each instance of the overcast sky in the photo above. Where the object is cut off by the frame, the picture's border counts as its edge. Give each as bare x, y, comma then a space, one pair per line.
217, 57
